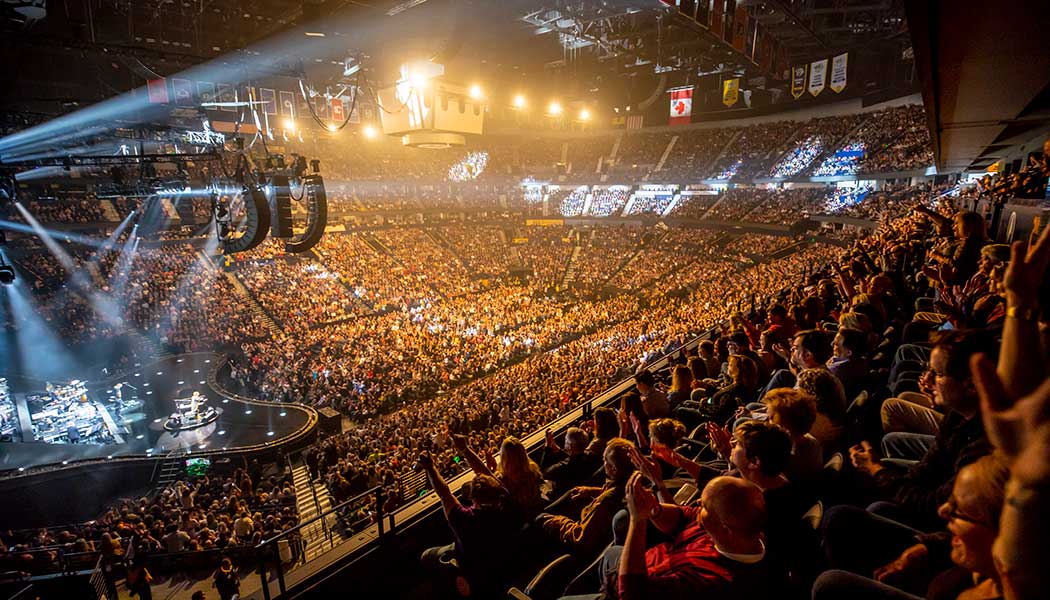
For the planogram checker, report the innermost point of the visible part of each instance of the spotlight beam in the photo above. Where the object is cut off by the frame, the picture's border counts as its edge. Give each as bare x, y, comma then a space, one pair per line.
257, 61
76, 238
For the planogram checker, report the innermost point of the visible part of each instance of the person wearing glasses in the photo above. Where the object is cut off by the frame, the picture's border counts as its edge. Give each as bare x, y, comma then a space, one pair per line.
911, 487
954, 564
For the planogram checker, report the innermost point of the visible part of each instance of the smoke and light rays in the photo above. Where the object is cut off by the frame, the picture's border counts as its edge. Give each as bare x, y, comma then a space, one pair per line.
41, 350
68, 236
113, 237
255, 61
128, 253
101, 304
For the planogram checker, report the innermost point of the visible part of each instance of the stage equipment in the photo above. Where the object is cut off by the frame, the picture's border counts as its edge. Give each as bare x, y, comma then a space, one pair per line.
428, 112
329, 421
241, 220
191, 413
7, 272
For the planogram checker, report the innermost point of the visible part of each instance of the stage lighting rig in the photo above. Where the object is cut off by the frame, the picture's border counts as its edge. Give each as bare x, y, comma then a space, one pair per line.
7, 272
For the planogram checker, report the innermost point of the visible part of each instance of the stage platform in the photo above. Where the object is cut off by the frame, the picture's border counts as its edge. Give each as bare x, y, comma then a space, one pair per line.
242, 425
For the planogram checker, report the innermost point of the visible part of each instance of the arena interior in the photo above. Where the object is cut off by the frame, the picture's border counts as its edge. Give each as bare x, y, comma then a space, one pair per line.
610, 299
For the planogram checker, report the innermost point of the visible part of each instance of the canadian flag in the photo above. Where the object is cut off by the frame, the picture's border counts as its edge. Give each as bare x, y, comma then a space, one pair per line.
681, 105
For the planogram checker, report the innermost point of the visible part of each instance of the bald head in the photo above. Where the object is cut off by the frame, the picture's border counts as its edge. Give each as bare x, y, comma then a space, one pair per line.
734, 506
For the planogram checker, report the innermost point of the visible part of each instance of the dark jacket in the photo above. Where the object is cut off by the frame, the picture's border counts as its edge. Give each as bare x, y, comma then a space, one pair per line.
570, 472
928, 484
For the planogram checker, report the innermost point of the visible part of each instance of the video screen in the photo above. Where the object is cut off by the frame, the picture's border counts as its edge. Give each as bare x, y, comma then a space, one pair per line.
197, 467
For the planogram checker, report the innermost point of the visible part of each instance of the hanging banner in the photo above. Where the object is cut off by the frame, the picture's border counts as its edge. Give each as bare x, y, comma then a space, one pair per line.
681, 105
287, 103
818, 71
206, 91
227, 95
183, 89
730, 91
338, 113
269, 99
740, 28
838, 72
158, 91
717, 9
798, 81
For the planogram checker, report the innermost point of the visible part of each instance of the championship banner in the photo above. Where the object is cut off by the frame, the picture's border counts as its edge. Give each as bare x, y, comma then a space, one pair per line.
287, 103
206, 91
321, 107
717, 9
818, 71
740, 28
183, 90
158, 91
838, 72
337, 110
798, 81
269, 99
681, 105
730, 91
227, 95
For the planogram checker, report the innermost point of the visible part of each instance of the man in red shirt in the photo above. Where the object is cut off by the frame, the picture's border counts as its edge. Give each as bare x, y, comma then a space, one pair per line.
716, 550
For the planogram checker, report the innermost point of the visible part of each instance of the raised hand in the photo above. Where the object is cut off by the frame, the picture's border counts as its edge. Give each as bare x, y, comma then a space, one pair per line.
664, 453
1026, 270
721, 439
864, 457
647, 467
909, 564
641, 503
1018, 427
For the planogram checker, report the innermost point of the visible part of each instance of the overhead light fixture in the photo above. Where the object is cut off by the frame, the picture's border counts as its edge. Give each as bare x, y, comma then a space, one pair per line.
314, 34
333, 127
519, 101
418, 80
554, 108
369, 131
475, 92
7, 272
585, 115
289, 124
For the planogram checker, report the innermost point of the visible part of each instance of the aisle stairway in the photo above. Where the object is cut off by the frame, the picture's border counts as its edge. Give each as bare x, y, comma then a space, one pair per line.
109, 212
706, 171
570, 268
312, 499
663, 157
257, 308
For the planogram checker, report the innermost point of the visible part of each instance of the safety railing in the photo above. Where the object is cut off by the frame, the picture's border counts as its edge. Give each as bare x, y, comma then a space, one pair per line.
287, 552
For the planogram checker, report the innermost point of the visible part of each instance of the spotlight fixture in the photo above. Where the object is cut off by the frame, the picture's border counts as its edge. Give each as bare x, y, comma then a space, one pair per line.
585, 115
7, 272
554, 108
519, 101
475, 92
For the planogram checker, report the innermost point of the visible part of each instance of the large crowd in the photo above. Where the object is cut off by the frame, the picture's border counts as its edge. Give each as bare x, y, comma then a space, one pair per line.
853, 377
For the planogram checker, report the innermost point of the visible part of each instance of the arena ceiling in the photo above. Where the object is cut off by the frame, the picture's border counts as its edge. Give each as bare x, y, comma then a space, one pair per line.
581, 47
985, 77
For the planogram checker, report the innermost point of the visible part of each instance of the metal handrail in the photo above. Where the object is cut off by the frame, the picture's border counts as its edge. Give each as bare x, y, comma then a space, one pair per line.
331, 510
272, 543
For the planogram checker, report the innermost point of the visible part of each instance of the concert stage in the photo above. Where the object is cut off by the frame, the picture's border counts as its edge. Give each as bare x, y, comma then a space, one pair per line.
132, 418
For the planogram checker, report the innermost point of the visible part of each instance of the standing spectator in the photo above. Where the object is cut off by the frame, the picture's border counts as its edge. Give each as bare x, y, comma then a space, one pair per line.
138, 579
226, 581
654, 400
